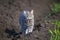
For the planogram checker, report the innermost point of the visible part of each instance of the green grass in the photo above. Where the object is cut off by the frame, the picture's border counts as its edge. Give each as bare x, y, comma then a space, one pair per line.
55, 34
56, 7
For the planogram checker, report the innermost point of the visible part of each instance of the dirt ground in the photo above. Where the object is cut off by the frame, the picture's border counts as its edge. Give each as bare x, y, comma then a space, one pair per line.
9, 18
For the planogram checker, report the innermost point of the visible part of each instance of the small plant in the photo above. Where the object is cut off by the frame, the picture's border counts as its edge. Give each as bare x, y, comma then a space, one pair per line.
55, 34
56, 7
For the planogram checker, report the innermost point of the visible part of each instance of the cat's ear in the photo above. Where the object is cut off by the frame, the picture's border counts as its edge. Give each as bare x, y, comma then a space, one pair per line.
31, 11
24, 12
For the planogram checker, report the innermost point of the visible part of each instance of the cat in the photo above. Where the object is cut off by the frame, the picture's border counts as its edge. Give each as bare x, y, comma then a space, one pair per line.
27, 24
30, 17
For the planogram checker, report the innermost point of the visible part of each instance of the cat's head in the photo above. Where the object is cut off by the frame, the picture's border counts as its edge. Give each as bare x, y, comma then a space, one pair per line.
28, 13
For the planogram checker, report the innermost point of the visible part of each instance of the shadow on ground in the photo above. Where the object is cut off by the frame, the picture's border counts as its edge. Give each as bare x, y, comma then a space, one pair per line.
12, 33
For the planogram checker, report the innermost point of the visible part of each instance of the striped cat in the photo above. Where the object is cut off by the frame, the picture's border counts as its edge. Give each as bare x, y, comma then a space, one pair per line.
27, 21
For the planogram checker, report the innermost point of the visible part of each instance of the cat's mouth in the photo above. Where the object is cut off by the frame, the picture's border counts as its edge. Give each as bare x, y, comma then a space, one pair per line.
30, 22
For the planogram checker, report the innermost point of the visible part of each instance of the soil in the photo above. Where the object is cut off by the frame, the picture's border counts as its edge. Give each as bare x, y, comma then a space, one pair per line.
9, 18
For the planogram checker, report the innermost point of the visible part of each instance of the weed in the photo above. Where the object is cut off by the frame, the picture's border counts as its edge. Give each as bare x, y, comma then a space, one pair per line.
56, 8
55, 34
